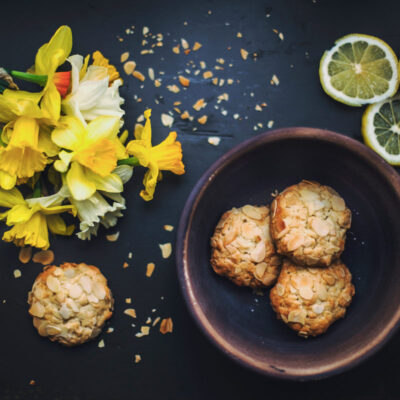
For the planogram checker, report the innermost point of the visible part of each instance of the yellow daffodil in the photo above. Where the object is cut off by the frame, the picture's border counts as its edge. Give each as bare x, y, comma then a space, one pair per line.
92, 155
166, 156
48, 58
101, 61
94, 90
31, 219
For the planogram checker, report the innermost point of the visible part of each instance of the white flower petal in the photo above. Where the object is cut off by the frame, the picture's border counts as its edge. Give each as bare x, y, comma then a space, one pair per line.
111, 183
124, 172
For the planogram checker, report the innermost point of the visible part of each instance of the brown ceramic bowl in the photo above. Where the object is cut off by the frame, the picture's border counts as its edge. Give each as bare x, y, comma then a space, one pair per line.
242, 324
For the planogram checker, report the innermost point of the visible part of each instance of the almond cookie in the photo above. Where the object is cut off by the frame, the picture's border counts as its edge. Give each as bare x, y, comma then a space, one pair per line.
310, 299
309, 223
70, 303
242, 249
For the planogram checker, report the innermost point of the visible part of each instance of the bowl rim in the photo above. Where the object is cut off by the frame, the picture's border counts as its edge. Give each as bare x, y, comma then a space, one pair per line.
268, 369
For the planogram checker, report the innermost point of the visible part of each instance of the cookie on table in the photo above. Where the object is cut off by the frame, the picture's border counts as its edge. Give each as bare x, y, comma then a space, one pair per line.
310, 299
309, 223
70, 303
242, 249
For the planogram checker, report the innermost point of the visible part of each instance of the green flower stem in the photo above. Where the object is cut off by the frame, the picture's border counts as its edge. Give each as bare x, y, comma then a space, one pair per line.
37, 190
25, 76
132, 161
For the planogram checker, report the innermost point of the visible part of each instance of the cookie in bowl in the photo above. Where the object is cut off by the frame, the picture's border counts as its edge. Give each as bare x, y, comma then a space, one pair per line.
309, 223
310, 299
70, 303
242, 249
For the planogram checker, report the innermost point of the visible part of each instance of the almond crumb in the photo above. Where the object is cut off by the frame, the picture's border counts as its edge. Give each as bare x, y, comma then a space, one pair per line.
155, 322
166, 326
124, 56
129, 67
199, 104
113, 238
258, 108
274, 80
32, 382
44, 257
244, 53
131, 312
214, 140
138, 75
202, 120
144, 331
207, 74
17, 273
125, 265
239, 35
101, 344
215, 81
166, 250
138, 358
128, 300
25, 254
184, 81
177, 103
167, 120
185, 115
157, 83
150, 269
173, 88
202, 65
168, 228
150, 72
185, 44
176, 49
196, 46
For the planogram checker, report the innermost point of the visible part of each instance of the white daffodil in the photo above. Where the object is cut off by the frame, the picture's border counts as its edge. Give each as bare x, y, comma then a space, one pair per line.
102, 208
90, 95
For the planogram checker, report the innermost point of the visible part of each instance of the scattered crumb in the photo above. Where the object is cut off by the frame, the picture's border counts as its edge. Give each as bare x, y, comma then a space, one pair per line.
144, 331
32, 382
207, 74
138, 75
229, 81
166, 250
113, 238
124, 56
196, 46
185, 44
173, 88
110, 329
101, 344
137, 358
185, 115
130, 255
167, 120
131, 312
128, 300
125, 265
239, 35
199, 104
176, 49
215, 81
150, 72
166, 326
244, 53
25, 254
155, 322
145, 30
184, 81
203, 119
258, 107
270, 124
148, 320
214, 140
168, 228
203, 65
44, 257
129, 67
150, 269
274, 80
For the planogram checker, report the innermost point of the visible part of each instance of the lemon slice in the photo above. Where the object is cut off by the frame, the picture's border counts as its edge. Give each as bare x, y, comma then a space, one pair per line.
359, 69
381, 129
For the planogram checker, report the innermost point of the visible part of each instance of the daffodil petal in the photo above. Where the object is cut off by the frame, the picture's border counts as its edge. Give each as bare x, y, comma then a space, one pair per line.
150, 181
105, 127
124, 172
59, 209
76, 62
7, 181
111, 183
10, 198
90, 92
51, 103
19, 213
81, 186
46, 145
58, 226
69, 134
136, 148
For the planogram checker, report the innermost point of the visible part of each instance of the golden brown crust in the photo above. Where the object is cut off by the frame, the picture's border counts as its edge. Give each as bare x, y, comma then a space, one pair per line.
70, 303
309, 223
242, 249
309, 299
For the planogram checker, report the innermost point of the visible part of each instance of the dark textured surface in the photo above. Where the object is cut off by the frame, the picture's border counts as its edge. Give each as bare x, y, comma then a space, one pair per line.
183, 365
242, 323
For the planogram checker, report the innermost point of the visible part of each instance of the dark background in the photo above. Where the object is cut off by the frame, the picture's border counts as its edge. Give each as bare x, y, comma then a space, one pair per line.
181, 365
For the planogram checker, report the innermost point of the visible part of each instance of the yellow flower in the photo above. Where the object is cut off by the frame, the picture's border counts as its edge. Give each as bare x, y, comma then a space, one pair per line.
48, 58
92, 155
166, 156
100, 60
31, 219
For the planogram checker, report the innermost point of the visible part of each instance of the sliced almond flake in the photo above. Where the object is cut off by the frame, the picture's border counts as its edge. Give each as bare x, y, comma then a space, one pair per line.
264, 104
144, 42
150, 72
129, 67
138, 75
223, 97
166, 326
145, 30
101, 344
131, 312
177, 103
203, 65
44, 257
196, 72
214, 140
260, 125
196, 46
229, 81
244, 53
220, 61
110, 329
155, 322
17, 273
150, 269
128, 300
270, 124
176, 109
138, 358
207, 74
176, 49
239, 35
173, 88
185, 44
185, 115
235, 116
148, 320
199, 104
25, 254
113, 237
157, 83
275, 30
147, 51
130, 255
167, 120
160, 44
184, 81
224, 112
124, 56
281, 36
258, 107
274, 80
215, 81
144, 331
166, 249
202, 120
